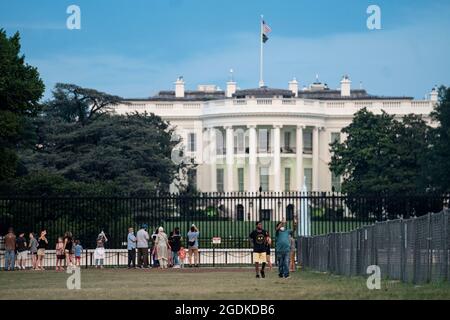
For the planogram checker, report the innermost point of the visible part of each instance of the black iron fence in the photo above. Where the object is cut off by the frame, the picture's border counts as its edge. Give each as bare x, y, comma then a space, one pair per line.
230, 216
411, 250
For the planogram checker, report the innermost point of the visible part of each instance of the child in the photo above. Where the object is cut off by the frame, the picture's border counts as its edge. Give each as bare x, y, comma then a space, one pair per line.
33, 250
60, 255
99, 253
21, 247
78, 251
182, 256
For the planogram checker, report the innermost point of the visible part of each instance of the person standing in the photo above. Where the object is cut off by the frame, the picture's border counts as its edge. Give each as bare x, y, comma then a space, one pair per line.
33, 245
68, 248
42, 246
22, 252
131, 247
258, 239
10, 250
175, 244
193, 235
283, 249
292, 254
78, 250
100, 253
142, 238
268, 254
162, 246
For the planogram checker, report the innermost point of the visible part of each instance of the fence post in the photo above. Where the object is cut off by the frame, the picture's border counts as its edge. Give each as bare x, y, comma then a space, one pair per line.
429, 255
86, 257
402, 248
445, 247
334, 211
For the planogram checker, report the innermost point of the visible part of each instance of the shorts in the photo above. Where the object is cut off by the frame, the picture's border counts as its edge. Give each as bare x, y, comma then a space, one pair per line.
60, 256
78, 258
259, 257
41, 252
22, 255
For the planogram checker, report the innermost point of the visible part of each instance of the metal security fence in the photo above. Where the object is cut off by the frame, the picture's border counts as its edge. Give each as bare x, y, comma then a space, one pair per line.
230, 216
412, 250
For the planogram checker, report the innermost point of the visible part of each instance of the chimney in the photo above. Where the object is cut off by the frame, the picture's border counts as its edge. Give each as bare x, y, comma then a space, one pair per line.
434, 95
179, 88
293, 86
345, 86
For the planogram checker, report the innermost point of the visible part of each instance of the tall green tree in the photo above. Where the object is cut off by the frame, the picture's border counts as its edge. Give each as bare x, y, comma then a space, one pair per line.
20, 91
383, 156
439, 163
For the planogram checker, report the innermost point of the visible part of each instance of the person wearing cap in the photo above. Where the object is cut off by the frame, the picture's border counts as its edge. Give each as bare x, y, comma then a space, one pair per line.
162, 246
142, 238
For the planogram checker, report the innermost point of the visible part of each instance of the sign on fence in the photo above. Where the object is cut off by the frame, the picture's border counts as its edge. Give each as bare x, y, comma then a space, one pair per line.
216, 240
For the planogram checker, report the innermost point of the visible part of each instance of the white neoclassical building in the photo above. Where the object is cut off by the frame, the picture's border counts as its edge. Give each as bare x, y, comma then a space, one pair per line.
276, 139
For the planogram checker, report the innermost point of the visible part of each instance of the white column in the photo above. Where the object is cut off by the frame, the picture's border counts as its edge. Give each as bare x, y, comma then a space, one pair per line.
276, 158
252, 158
212, 159
299, 158
315, 160
229, 158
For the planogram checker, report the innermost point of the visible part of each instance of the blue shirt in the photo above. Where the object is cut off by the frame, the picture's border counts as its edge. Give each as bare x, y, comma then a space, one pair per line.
78, 249
193, 237
283, 242
131, 241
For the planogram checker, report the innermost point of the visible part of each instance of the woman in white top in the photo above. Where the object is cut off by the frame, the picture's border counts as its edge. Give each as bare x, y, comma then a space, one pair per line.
162, 244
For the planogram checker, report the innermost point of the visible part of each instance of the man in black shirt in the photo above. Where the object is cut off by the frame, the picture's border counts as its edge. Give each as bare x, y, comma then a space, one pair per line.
175, 244
258, 238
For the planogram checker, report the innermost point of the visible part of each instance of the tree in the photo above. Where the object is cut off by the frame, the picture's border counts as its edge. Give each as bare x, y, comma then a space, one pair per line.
20, 91
439, 155
76, 104
382, 156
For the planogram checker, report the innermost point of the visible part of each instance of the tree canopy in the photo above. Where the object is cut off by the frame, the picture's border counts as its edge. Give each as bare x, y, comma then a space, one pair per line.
20, 91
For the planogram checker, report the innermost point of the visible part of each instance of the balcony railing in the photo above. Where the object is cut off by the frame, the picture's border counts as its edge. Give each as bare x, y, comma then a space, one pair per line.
288, 149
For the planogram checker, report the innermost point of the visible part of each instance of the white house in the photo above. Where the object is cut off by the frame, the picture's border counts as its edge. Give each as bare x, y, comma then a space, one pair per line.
266, 137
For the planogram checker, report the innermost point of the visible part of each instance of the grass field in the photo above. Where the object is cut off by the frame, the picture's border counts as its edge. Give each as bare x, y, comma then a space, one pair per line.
203, 283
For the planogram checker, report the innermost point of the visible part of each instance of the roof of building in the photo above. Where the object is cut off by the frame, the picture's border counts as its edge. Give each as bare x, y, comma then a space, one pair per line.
314, 93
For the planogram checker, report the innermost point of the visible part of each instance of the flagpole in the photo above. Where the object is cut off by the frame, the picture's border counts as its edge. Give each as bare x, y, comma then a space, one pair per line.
261, 56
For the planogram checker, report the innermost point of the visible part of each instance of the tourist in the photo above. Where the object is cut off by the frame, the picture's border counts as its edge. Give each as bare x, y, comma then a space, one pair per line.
10, 250
292, 254
258, 239
283, 249
268, 254
60, 254
182, 256
22, 252
68, 248
99, 253
42, 246
193, 235
33, 245
131, 247
175, 245
154, 251
78, 251
162, 246
142, 238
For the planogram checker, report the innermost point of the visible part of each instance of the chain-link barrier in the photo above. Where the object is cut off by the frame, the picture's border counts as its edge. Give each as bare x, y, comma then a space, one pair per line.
413, 250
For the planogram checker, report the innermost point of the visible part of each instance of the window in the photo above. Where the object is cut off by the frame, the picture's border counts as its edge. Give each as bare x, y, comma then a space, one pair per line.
191, 142
335, 183
220, 150
241, 179
220, 180
335, 136
239, 142
264, 178
308, 177
307, 141
263, 140
287, 179
287, 139
192, 178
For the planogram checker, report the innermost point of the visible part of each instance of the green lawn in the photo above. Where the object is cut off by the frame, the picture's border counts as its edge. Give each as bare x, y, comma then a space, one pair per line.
205, 284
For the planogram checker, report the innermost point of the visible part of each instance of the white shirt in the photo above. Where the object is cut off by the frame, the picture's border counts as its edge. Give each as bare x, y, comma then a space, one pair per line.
142, 238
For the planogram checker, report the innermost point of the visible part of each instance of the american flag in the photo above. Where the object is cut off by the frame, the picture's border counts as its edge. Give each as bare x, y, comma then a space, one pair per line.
266, 28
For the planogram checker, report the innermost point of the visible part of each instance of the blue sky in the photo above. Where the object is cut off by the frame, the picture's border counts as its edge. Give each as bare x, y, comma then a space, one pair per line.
135, 48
